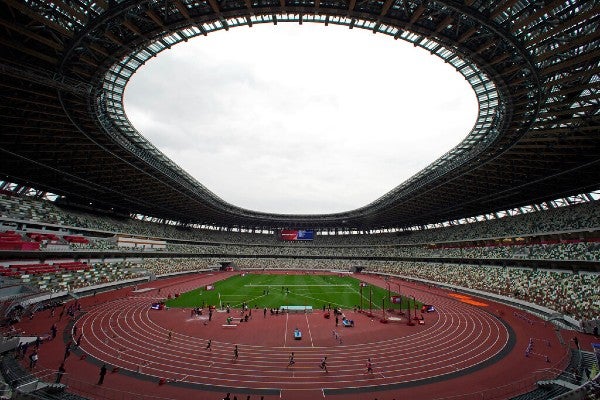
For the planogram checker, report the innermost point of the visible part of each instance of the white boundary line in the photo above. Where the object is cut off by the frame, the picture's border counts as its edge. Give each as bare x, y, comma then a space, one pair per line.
309, 333
347, 285
376, 307
285, 332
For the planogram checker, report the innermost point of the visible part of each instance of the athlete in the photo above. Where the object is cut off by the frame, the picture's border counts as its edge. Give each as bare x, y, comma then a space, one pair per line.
292, 361
323, 364
369, 366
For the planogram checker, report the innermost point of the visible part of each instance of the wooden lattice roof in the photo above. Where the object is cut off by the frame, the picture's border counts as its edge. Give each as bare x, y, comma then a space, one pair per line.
534, 66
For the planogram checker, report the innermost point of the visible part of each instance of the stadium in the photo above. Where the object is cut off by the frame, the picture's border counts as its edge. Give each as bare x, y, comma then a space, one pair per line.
123, 277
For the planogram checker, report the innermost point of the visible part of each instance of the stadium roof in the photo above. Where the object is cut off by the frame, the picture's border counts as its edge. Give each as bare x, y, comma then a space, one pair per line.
534, 66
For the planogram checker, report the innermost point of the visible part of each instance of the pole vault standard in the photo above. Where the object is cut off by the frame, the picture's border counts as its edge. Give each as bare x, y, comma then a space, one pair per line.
409, 319
361, 296
389, 296
370, 301
400, 294
415, 307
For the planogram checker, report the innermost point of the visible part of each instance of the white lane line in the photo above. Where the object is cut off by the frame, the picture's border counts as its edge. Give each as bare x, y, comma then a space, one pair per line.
285, 332
458, 324
309, 333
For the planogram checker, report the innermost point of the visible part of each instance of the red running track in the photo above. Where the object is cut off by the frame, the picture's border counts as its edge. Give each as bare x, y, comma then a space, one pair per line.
460, 349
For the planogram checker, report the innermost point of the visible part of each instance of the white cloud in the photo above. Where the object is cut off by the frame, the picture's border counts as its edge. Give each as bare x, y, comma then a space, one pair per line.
300, 119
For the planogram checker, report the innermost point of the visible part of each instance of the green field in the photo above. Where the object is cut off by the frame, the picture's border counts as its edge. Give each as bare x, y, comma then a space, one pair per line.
273, 291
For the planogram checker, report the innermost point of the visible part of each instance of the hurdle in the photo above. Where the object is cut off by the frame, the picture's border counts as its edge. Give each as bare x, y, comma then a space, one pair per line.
530, 347
543, 340
395, 319
526, 318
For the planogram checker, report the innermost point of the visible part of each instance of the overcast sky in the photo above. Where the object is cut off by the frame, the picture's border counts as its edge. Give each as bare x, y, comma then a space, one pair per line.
300, 119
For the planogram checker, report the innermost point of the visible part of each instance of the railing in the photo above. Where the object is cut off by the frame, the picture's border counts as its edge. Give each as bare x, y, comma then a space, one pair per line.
518, 387
90, 389
93, 391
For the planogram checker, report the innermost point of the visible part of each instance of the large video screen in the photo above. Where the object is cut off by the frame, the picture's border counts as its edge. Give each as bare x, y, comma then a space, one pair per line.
293, 234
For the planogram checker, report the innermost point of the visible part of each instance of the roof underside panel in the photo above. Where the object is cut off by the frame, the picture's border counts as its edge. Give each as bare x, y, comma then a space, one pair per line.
534, 66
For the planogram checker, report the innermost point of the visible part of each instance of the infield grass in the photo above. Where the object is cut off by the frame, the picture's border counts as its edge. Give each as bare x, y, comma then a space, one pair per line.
274, 291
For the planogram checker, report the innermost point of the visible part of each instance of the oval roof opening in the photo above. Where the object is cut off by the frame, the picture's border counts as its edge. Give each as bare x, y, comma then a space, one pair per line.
296, 119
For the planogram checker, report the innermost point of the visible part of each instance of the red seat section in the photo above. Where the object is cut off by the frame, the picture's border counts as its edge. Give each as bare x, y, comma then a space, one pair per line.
10, 240
76, 239
40, 237
35, 269
73, 266
9, 272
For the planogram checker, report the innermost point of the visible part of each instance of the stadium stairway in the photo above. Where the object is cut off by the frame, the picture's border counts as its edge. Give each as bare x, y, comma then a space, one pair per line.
543, 393
27, 386
558, 382
565, 384
14, 373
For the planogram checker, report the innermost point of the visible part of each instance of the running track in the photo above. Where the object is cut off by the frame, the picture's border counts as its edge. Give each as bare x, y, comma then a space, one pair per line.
458, 345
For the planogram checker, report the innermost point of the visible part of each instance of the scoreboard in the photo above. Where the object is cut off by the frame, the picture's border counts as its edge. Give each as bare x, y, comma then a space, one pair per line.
294, 234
